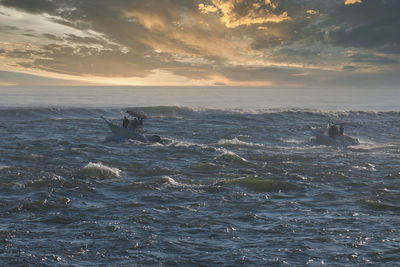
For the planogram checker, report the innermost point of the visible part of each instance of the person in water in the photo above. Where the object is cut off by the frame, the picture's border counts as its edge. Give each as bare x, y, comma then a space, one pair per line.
133, 124
341, 130
130, 124
333, 131
136, 125
125, 122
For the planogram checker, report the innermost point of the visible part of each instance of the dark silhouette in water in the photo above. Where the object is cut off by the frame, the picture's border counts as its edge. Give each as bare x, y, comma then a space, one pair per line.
341, 130
125, 122
333, 131
136, 124
156, 138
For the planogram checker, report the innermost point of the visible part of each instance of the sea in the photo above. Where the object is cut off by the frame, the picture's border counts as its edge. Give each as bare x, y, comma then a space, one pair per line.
239, 180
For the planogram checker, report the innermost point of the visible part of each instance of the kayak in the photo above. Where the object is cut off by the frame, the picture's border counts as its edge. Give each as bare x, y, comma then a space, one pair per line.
322, 138
131, 134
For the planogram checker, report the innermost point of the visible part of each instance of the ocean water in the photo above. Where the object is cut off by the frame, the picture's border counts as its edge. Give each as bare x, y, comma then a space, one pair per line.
236, 184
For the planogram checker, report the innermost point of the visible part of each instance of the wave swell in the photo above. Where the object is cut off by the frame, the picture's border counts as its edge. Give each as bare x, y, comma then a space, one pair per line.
100, 171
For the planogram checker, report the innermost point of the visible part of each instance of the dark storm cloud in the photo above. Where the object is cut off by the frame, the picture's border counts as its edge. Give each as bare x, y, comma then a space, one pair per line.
372, 24
36, 6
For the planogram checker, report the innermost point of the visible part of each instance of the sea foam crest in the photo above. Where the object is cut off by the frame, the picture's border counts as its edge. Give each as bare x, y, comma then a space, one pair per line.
171, 181
181, 143
236, 141
2, 167
100, 171
232, 156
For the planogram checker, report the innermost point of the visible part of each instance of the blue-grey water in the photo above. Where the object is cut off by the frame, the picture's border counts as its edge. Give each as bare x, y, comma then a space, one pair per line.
232, 186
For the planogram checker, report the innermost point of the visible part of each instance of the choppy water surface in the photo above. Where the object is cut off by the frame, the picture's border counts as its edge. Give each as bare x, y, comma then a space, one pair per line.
231, 187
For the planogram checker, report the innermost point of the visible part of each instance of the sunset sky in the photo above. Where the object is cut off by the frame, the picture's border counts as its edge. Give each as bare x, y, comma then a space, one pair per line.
288, 43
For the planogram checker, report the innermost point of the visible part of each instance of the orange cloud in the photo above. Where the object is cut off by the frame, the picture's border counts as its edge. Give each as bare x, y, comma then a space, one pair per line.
312, 12
351, 2
273, 4
240, 12
207, 8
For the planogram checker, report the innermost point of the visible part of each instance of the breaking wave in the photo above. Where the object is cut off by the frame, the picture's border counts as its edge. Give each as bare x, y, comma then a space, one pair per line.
100, 171
173, 112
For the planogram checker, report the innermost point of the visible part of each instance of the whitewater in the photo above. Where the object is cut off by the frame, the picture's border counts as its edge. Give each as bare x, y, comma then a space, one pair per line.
232, 186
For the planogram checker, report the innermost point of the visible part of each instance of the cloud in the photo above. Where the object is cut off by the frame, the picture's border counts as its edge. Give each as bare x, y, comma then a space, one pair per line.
349, 68
222, 41
37, 6
240, 12
369, 26
84, 61
373, 59
208, 8
312, 12
351, 2
25, 79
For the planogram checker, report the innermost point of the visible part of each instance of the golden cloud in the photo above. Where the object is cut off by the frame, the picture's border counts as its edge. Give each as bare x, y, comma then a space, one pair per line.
312, 12
351, 2
273, 5
241, 12
207, 8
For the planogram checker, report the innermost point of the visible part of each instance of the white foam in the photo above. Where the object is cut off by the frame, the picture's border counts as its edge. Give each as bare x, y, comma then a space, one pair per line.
367, 144
100, 171
171, 181
294, 141
179, 143
233, 155
236, 141
366, 167
2, 167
